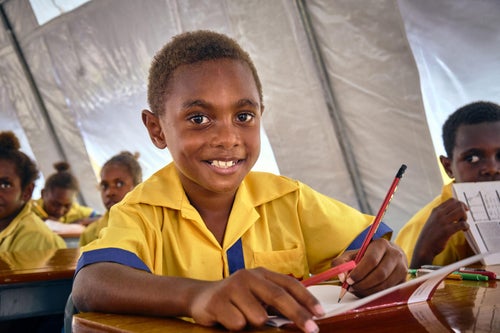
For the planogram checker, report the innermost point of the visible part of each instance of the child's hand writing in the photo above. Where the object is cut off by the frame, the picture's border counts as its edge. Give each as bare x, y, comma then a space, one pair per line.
241, 300
382, 266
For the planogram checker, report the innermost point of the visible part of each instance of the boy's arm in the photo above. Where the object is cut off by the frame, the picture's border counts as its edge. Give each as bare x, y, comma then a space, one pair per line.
234, 302
444, 221
383, 265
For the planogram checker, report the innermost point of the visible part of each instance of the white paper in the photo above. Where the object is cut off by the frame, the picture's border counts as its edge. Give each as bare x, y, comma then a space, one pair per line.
483, 200
59, 227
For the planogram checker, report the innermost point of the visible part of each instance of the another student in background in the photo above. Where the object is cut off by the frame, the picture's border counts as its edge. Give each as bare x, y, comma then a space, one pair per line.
58, 196
471, 138
20, 228
205, 237
119, 175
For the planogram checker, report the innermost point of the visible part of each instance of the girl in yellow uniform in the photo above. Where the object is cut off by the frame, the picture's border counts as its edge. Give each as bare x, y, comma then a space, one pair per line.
58, 203
20, 228
119, 175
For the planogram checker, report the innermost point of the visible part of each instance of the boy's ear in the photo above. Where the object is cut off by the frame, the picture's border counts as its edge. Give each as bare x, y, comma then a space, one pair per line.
152, 123
446, 163
28, 192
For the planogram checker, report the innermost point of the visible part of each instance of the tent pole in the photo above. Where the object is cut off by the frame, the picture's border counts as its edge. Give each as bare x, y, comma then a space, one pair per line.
335, 115
33, 86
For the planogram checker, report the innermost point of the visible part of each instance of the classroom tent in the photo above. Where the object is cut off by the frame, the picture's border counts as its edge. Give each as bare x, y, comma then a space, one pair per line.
347, 84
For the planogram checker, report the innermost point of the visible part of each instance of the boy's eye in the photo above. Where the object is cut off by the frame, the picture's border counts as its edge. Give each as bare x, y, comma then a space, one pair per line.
199, 119
119, 184
245, 117
5, 185
472, 159
103, 186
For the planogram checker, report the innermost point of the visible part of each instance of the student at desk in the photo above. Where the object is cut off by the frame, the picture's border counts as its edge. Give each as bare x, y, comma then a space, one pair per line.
205, 237
20, 228
57, 200
471, 137
119, 175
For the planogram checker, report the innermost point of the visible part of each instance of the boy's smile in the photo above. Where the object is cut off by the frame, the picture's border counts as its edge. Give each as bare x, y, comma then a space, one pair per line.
476, 155
211, 125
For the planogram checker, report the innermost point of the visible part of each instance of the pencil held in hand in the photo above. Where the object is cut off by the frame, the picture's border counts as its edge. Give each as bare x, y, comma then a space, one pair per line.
375, 224
329, 273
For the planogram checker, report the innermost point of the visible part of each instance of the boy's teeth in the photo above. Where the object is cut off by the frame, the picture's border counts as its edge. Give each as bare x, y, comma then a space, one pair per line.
223, 164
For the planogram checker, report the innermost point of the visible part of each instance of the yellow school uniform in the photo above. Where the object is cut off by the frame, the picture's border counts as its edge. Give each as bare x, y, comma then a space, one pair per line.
91, 232
75, 213
28, 232
456, 248
275, 222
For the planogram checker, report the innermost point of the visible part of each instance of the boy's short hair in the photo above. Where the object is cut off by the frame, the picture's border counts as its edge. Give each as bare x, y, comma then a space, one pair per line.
470, 114
189, 48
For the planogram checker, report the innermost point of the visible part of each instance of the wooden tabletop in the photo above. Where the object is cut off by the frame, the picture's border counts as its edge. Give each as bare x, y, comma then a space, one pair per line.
29, 266
460, 306
35, 283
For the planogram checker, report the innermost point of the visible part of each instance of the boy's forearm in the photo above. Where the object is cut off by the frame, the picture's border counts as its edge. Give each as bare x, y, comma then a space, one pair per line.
114, 288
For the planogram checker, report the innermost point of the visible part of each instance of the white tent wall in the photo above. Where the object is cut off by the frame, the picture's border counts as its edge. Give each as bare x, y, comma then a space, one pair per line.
456, 44
90, 67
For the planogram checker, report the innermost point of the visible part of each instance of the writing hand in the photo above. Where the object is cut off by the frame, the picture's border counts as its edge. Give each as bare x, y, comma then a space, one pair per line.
241, 300
382, 266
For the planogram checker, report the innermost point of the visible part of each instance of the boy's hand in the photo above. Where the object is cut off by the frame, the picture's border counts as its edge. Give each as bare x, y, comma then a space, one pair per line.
382, 266
444, 221
242, 299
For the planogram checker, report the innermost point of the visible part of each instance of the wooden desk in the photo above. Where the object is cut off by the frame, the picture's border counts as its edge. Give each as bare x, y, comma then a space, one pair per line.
70, 232
463, 306
72, 239
35, 283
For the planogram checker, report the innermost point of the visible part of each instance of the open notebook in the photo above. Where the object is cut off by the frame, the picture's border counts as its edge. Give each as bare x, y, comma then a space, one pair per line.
415, 290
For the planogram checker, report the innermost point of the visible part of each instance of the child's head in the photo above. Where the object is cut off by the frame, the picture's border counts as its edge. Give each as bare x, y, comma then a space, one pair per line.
119, 175
190, 48
206, 101
471, 137
17, 176
59, 191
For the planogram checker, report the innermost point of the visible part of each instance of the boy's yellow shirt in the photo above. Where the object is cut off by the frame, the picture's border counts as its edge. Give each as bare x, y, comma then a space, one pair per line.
456, 248
283, 225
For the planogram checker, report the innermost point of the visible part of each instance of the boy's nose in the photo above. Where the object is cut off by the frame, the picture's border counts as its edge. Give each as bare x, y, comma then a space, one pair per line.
226, 135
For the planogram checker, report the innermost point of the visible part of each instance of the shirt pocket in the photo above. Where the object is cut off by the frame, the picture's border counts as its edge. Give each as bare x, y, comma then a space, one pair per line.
291, 262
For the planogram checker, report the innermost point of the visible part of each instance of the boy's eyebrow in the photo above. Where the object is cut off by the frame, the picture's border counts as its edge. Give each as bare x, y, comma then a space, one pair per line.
472, 150
247, 101
191, 103
201, 102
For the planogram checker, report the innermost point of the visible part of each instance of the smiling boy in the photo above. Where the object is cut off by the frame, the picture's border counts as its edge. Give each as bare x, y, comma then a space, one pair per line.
205, 237
471, 137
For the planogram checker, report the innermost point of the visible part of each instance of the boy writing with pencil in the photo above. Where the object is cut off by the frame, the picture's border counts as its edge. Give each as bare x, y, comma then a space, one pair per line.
471, 137
205, 237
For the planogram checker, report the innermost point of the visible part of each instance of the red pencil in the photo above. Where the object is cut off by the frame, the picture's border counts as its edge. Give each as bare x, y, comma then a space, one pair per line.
375, 224
329, 273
